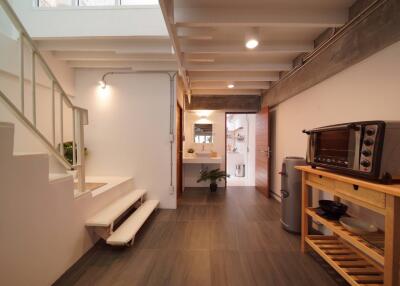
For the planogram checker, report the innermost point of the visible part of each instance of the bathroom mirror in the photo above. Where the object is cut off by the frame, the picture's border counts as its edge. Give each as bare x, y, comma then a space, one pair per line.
203, 133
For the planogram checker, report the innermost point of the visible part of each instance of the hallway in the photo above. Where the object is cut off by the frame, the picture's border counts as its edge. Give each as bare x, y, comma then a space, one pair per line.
230, 237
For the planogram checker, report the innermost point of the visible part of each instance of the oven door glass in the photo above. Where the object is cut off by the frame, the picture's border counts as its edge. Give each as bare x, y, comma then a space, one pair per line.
336, 147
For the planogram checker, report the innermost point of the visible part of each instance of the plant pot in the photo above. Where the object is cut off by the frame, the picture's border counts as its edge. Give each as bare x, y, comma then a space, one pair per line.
213, 187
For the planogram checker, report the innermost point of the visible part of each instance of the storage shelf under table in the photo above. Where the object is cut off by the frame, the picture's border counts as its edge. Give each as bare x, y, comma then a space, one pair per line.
355, 240
355, 269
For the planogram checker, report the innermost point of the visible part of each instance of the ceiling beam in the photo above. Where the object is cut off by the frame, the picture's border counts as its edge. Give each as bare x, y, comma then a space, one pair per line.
112, 56
226, 92
184, 34
142, 66
239, 48
240, 67
233, 76
223, 85
298, 16
117, 45
168, 11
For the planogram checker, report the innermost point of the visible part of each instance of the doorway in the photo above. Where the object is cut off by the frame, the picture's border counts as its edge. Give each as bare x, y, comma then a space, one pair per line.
240, 148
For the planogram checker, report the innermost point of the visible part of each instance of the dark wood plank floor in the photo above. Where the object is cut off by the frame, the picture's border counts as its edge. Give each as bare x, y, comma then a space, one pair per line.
230, 237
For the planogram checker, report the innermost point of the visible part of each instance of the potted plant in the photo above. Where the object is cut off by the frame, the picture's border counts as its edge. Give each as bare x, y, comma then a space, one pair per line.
68, 155
213, 176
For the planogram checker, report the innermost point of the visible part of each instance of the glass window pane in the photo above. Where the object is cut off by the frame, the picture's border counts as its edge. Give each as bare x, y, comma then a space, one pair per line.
139, 2
55, 3
96, 2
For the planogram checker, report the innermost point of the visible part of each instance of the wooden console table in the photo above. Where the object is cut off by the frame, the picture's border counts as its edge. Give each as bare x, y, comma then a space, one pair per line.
356, 259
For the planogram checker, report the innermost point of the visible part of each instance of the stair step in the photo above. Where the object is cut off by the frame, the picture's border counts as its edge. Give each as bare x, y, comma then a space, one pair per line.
109, 214
130, 227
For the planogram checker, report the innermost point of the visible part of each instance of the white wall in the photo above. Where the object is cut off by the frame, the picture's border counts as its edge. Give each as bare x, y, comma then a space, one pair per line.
369, 90
128, 131
192, 171
90, 21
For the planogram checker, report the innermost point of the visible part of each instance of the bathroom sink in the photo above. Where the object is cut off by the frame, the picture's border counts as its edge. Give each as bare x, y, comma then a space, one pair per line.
203, 154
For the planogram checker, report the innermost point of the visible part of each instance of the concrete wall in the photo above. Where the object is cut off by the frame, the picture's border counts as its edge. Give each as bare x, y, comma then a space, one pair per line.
368, 90
90, 21
128, 131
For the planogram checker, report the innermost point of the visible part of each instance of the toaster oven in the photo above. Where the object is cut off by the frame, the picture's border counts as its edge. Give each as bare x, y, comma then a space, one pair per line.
368, 149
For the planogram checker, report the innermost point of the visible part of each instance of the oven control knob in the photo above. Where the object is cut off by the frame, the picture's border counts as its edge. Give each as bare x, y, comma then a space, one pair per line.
365, 163
370, 131
366, 152
368, 142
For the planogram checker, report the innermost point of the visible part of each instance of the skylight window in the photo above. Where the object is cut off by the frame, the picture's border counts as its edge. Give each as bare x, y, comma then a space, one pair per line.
97, 3
55, 3
139, 2
93, 3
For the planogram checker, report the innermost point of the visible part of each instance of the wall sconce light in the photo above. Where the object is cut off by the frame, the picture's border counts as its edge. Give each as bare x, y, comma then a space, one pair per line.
102, 84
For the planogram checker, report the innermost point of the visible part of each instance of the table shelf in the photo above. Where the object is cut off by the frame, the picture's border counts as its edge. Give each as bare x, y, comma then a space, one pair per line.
345, 260
355, 240
380, 250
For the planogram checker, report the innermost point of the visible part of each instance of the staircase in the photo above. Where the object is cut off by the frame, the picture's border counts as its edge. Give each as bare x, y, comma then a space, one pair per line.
103, 222
64, 114
45, 229
126, 209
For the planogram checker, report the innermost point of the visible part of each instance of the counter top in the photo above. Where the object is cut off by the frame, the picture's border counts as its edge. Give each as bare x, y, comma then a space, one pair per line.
202, 160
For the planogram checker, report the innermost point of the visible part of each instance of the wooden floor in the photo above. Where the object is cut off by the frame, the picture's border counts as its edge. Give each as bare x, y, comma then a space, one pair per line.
230, 237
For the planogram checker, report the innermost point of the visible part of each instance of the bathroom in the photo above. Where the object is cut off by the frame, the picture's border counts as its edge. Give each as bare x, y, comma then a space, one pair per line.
211, 142
240, 149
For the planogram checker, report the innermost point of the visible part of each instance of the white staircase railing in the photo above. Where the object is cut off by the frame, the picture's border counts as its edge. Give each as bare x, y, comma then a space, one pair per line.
79, 117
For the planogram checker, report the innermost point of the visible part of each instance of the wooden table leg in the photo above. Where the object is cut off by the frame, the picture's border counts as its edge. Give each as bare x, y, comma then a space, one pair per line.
392, 241
304, 217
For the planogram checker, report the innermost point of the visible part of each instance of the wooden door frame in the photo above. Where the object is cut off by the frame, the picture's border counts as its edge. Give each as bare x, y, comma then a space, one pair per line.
226, 154
179, 155
268, 190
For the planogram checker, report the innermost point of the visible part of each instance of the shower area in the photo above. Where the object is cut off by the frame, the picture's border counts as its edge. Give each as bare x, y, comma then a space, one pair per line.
240, 149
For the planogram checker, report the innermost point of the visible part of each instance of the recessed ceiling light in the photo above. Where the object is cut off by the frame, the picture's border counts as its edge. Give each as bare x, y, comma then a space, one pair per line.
252, 43
231, 85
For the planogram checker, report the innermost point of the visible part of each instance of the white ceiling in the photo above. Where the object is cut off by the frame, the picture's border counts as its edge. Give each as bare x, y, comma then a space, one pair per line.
209, 37
128, 53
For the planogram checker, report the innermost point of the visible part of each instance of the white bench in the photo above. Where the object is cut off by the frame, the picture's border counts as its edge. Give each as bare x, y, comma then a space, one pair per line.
125, 233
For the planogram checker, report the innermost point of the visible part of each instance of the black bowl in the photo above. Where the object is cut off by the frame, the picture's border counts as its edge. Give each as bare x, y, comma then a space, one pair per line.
333, 209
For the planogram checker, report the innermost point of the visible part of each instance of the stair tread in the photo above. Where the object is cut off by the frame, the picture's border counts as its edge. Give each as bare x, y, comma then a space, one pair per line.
130, 227
109, 214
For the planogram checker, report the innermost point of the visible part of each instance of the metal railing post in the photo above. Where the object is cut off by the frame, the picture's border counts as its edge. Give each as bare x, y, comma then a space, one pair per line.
53, 113
73, 136
61, 124
21, 75
34, 87
81, 152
